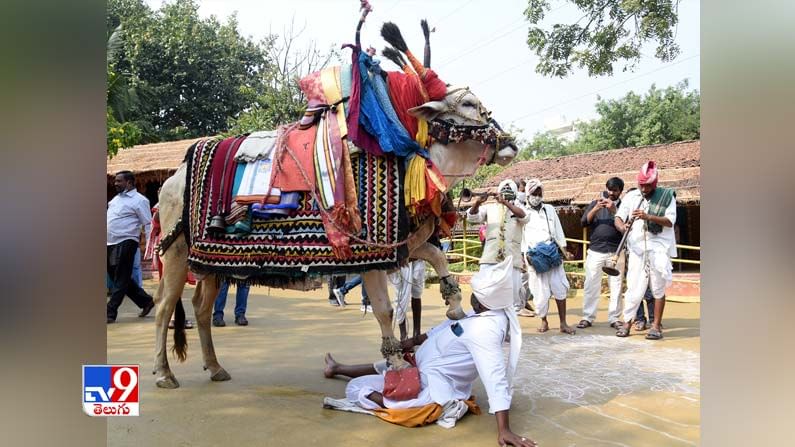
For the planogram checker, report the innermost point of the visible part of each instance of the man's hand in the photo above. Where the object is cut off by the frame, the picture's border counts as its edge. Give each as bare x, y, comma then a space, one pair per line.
609, 204
507, 437
640, 214
407, 344
501, 200
568, 255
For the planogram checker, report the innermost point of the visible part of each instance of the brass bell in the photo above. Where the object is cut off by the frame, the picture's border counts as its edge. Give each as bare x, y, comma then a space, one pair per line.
217, 224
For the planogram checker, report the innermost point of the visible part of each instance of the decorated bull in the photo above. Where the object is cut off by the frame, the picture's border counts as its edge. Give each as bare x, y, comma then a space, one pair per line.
358, 185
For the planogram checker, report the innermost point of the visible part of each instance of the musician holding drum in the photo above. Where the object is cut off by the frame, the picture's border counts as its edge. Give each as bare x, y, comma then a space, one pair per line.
649, 212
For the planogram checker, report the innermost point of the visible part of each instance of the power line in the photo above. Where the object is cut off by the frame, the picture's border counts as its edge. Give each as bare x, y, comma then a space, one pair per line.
483, 44
454, 11
604, 88
500, 73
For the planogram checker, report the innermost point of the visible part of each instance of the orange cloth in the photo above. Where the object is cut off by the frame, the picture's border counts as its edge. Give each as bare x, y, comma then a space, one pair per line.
286, 173
417, 417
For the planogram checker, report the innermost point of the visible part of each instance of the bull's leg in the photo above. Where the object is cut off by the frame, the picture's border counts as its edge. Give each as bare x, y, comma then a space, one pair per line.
448, 284
169, 291
375, 282
203, 307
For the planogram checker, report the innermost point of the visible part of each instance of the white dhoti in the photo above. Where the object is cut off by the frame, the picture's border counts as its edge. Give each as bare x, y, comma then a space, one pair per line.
652, 269
593, 288
553, 282
516, 279
408, 282
359, 388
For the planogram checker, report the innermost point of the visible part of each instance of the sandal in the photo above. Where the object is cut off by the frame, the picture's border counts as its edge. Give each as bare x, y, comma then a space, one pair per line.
616, 324
640, 326
654, 334
584, 324
623, 331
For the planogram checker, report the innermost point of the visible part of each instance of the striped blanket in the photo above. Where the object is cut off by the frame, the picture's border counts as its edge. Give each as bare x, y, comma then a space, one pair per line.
289, 251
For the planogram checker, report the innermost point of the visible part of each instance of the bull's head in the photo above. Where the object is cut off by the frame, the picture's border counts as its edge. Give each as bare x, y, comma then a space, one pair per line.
465, 135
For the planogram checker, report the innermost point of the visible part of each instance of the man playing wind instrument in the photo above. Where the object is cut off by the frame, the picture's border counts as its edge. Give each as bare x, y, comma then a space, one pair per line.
504, 222
651, 244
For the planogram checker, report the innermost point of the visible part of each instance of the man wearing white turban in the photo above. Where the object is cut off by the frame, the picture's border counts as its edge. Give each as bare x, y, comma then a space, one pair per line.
543, 225
454, 354
504, 222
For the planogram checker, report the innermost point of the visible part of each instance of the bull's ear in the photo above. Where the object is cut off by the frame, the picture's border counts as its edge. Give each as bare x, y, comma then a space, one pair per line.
428, 111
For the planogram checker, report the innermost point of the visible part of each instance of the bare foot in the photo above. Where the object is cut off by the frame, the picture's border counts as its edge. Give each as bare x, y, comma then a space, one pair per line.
331, 366
544, 326
566, 329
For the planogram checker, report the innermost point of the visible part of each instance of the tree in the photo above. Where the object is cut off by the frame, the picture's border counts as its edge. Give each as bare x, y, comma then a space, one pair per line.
614, 31
279, 99
660, 116
123, 100
200, 70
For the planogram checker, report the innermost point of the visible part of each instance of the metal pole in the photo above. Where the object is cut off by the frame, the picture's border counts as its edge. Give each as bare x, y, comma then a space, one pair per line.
466, 236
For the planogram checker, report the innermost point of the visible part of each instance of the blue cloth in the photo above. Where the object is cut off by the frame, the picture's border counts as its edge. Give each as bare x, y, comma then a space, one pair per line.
377, 115
241, 300
353, 283
544, 256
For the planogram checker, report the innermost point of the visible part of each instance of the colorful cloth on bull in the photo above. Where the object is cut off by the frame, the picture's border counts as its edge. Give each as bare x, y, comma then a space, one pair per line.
424, 188
387, 128
253, 183
286, 250
293, 170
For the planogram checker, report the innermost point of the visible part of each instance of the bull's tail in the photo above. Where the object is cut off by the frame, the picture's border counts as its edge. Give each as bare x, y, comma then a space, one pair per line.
180, 348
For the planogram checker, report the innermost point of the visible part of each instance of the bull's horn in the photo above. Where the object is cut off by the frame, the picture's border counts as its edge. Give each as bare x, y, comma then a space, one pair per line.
427, 33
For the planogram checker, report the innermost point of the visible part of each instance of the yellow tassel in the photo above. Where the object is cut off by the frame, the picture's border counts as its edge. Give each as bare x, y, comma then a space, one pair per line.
415, 184
422, 133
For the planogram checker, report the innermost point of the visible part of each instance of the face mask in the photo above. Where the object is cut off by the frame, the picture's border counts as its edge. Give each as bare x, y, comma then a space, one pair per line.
534, 200
521, 196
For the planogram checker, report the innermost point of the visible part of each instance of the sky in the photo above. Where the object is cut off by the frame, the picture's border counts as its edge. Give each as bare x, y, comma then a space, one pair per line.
477, 43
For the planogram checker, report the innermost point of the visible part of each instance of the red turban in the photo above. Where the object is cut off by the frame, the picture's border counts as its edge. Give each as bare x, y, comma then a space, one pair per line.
648, 174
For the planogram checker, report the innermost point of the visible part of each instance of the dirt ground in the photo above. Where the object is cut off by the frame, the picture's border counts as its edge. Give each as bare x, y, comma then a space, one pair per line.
589, 389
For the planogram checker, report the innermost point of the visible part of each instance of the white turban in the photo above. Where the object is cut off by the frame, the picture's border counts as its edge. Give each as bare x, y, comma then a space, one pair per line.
510, 183
493, 288
532, 185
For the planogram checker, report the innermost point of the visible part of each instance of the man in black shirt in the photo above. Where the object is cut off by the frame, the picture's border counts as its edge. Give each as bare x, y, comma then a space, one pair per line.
599, 216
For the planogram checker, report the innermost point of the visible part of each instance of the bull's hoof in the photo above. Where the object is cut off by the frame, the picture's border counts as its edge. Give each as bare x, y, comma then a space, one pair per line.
167, 382
221, 376
455, 313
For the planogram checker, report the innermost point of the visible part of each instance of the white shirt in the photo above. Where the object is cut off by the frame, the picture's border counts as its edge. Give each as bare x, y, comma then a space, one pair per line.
640, 240
127, 213
493, 214
450, 364
540, 223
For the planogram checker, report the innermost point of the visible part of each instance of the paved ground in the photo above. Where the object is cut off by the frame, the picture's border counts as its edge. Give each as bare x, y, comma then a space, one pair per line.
591, 389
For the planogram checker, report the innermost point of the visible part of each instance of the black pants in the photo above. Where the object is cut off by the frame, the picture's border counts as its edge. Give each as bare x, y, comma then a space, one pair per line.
120, 263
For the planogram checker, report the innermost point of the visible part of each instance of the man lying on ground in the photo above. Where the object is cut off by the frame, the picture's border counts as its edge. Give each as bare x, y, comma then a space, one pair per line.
453, 355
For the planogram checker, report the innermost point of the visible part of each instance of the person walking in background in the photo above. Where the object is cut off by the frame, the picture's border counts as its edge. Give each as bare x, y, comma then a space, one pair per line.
128, 214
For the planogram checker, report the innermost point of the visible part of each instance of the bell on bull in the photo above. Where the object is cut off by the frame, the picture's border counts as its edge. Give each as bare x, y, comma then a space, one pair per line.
217, 224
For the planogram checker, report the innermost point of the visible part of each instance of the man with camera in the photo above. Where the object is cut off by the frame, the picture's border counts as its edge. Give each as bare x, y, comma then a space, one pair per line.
542, 242
504, 222
599, 217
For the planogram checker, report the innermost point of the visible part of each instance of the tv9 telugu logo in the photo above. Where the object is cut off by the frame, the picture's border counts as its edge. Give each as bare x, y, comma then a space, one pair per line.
110, 390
